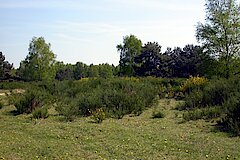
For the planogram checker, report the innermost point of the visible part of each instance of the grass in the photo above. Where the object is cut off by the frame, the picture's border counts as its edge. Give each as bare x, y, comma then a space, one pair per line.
129, 138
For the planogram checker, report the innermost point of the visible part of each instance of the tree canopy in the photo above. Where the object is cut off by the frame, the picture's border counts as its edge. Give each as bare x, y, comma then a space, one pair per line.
130, 48
5, 67
39, 63
220, 34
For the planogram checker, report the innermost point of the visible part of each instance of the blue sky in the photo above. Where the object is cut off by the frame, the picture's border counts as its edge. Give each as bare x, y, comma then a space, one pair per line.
89, 30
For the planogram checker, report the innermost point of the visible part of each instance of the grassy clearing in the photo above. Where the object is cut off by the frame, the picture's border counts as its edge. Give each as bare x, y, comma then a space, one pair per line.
139, 137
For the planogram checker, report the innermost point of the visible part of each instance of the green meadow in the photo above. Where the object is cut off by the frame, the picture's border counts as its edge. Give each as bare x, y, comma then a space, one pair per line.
132, 137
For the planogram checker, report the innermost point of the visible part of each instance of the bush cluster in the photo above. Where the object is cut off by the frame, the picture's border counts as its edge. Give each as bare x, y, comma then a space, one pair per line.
30, 100
216, 98
204, 113
117, 96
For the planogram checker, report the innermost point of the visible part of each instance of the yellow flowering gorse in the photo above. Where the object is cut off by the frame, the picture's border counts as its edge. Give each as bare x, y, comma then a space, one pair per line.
193, 81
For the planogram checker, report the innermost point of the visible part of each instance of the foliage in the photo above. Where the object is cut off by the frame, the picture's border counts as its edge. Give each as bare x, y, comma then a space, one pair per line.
15, 85
204, 113
130, 48
39, 113
39, 63
93, 71
148, 62
31, 99
218, 98
67, 108
81, 70
105, 70
118, 96
98, 115
231, 122
191, 60
193, 82
64, 72
158, 114
5, 68
221, 34
213, 93
179, 62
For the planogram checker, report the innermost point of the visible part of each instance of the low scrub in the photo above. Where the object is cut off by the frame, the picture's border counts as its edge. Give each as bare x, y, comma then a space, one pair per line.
223, 93
117, 96
158, 114
15, 85
203, 113
214, 93
40, 113
29, 100
231, 122
98, 115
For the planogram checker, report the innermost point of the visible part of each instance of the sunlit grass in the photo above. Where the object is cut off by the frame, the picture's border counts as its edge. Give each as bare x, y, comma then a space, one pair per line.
139, 137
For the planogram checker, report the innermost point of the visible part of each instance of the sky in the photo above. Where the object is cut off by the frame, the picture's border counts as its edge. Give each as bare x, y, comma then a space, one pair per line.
89, 30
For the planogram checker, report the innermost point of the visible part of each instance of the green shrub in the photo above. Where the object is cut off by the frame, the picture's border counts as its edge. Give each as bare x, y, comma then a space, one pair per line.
193, 100
224, 95
29, 100
214, 93
67, 108
39, 113
217, 98
231, 121
203, 113
158, 114
15, 85
98, 115
118, 96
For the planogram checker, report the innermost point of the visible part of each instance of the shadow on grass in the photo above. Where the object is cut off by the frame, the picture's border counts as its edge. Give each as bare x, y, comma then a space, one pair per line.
219, 128
12, 113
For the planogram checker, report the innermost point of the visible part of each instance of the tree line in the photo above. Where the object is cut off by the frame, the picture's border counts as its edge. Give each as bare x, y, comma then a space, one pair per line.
218, 54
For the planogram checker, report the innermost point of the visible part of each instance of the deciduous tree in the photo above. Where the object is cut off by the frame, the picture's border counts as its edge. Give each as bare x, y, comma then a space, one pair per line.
220, 34
39, 63
130, 48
